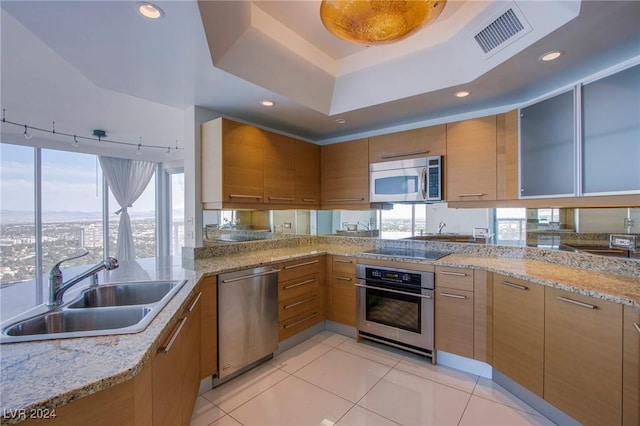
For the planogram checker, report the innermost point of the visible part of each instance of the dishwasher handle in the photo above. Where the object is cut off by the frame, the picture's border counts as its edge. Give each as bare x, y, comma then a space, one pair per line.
244, 277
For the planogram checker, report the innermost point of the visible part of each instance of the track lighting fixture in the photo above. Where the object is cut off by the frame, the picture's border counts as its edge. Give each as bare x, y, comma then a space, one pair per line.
26, 133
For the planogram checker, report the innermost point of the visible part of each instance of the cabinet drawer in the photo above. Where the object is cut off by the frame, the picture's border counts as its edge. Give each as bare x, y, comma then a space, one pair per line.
291, 308
345, 265
297, 324
298, 286
298, 268
458, 278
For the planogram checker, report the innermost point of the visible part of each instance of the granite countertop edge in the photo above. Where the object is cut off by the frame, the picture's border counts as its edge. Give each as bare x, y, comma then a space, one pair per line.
147, 342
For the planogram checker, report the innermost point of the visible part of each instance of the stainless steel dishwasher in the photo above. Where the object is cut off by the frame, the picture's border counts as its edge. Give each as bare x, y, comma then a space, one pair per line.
247, 320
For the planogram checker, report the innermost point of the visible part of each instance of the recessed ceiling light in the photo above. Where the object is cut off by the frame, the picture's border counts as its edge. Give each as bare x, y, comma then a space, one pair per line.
150, 10
267, 103
340, 120
462, 94
550, 56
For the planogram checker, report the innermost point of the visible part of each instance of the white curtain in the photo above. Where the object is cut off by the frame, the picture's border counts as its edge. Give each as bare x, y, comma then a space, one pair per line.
127, 180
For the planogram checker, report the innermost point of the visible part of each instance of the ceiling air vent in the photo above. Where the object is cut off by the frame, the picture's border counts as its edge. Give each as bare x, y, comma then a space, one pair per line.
502, 29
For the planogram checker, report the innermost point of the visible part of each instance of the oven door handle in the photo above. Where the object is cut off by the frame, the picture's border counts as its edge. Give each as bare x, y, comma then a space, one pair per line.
406, 293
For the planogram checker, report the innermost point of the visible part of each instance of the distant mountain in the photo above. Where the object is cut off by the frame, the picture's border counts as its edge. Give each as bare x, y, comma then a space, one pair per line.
9, 217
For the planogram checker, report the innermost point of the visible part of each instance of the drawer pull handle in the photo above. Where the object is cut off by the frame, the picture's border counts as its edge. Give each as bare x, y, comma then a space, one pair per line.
244, 196
575, 302
637, 327
477, 194
453, 296
343, 278
298, 265
166, 348
195, 302
344, 200
387, 156
290, 286
302, 302
281, 198
243, 277
343, 261
455, 274
315, 314
308, 200
518, 286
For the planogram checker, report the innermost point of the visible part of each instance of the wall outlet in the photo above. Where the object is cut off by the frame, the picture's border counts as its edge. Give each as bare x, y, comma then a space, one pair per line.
628, 242
286, 225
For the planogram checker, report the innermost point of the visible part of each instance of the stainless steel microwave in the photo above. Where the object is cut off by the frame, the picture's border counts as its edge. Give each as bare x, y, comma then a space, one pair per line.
405, 181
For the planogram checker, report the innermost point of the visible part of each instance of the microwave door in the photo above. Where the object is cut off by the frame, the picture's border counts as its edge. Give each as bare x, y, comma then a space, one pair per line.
396, 185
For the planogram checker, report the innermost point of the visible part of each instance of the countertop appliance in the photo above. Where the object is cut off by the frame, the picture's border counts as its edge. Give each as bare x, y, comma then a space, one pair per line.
406, 181
409, 252
395, 307
247, 320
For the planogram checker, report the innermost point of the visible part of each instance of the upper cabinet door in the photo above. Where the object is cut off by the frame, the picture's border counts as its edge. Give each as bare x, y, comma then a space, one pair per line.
471, 160
547, 147
345, 174
279, 180
242, 163
307, 173
408, 144
611, 133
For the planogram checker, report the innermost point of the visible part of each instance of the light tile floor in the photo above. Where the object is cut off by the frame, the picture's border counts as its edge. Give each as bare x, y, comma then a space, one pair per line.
332, 379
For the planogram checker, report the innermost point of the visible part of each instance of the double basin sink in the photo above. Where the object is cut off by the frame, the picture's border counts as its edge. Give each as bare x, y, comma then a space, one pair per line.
113, 308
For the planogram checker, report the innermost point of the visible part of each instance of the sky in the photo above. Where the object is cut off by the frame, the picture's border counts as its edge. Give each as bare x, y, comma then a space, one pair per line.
69, 182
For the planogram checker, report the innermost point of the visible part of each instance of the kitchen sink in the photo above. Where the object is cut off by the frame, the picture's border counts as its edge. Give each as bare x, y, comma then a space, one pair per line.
79, 320
124, 294
113, 308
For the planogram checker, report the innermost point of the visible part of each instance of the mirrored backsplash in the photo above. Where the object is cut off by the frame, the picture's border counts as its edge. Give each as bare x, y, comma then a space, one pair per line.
508, 226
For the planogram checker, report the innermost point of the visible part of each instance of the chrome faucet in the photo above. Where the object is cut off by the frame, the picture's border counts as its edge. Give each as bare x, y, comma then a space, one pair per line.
441, 226
57, 287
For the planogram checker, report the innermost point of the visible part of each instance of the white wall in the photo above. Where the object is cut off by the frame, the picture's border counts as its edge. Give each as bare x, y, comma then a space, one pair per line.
193, 218
59, 92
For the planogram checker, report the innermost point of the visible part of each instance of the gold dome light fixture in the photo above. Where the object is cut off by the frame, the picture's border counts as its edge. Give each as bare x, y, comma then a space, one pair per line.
371, 22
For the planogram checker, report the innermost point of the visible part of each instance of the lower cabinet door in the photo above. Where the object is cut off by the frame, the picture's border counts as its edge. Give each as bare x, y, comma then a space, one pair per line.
583, 357
168, 371
454, 321
518, 331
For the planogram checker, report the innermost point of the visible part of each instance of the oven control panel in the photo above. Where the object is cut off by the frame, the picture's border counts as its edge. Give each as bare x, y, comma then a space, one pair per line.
395, 276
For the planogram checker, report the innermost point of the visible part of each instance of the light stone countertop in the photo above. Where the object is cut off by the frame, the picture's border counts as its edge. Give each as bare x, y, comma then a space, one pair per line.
47, 374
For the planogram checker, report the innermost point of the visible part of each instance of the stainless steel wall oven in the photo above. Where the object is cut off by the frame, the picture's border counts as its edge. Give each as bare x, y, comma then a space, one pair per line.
395, 307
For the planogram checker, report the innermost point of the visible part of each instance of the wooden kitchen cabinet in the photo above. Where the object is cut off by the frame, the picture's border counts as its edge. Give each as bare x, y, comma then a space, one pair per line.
471, 160
176, 369
208, 327
307, 173
343, 290
345, 174
247, 167
415, 143
483, 316
128, 404
583, 357
454, 311
518, 331
279, 176
631, 367
300, 302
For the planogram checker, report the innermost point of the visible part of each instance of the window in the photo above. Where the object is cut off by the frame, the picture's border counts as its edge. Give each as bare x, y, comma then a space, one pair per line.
511, 226
70, 220
177, 214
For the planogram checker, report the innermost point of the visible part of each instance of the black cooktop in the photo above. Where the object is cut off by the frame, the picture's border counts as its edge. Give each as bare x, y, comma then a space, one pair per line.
411, 253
